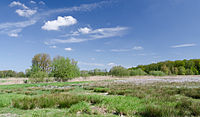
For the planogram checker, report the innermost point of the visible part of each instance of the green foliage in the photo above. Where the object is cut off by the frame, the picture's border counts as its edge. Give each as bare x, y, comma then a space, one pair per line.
46, 101
119, 71
84, 73
39, 76
7, 73
157, 73
98, 72
178, 67
20, 74
82, 107
42, 61
189, 72
181, 70
137, 72
64, 69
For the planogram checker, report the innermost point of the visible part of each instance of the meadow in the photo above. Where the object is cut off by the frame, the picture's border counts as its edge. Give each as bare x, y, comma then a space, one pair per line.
159, 97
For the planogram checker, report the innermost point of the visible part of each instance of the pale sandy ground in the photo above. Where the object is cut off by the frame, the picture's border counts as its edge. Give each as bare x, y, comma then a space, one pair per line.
135, 79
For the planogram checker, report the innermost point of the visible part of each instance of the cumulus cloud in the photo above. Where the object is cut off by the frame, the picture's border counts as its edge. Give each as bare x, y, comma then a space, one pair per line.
60, 22
9, 26
25, 12
183, 45
92, 35
85, 30
68, 49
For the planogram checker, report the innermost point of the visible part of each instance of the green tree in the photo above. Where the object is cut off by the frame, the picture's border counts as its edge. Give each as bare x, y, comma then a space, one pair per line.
20, 74
181, 70
137, 72
43, 61
119, 71
189, 72
64, 69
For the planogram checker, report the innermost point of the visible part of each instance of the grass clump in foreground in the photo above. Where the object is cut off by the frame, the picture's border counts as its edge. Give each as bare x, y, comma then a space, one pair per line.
46, 101
160, 99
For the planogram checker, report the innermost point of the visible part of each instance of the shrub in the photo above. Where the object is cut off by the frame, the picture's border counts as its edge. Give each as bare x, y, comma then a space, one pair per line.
82, 107
157, 73
84, 73
137, 72
46, 101
119, 71
158, 111
38, 77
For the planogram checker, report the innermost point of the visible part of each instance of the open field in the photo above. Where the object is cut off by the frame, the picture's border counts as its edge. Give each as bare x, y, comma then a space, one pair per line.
142, 79
103, 96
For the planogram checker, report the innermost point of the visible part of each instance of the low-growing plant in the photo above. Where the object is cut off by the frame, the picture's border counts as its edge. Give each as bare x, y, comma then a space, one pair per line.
81, 107
46, 101
38, 77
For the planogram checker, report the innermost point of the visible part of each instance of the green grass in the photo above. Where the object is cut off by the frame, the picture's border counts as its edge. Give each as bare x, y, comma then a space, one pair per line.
99, 99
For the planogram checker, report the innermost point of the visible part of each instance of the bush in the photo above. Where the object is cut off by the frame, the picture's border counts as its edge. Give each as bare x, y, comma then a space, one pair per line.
119, 71
46, 101
38, 77
158, 111
84, 74
157, 73
82, 107
137, 72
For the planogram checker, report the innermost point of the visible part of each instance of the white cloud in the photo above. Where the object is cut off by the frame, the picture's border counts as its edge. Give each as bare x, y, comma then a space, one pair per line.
32, 2
92, 35
85, 30
26, 12
7, 27
53, 47
68, 49
60, 22
183, 45
14, 3
138, 48
12, 29
42, 2
83, 7
14, 33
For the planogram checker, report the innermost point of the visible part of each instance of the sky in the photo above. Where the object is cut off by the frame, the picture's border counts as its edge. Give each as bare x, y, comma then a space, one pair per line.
99, 33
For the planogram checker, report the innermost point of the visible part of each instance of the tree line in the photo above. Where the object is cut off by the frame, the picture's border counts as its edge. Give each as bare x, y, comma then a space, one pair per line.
178, 67
63, 69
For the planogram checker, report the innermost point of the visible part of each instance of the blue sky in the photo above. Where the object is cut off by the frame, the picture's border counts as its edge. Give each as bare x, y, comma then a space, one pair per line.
99, 33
